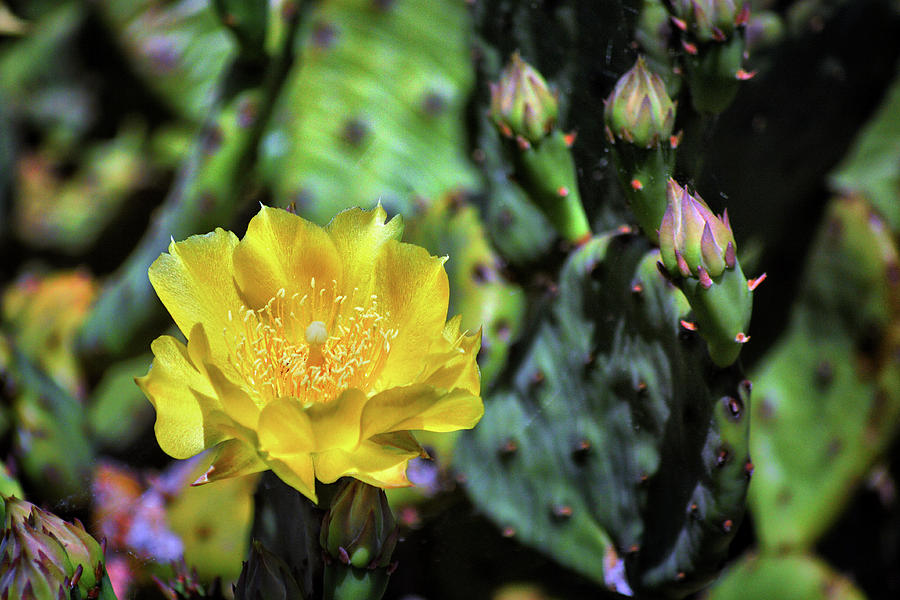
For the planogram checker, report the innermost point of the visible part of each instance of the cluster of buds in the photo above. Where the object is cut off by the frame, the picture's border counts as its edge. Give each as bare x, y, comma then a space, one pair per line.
43, 557
524, 109
709, 20
358, 535
640, 121
699, 255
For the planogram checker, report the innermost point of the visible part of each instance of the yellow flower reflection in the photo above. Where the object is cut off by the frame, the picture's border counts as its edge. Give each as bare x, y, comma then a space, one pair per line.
310, 351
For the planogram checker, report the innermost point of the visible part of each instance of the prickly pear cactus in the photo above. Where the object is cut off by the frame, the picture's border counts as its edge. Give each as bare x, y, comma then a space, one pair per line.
613, 437
842, 342
342, 138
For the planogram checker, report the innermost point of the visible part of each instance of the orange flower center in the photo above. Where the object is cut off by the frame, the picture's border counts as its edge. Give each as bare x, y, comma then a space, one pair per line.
310, 346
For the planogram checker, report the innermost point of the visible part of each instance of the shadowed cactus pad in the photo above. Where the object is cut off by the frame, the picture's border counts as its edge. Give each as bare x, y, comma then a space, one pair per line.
613, 436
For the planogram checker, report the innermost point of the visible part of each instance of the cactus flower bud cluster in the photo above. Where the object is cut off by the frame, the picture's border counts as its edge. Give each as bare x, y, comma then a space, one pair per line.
44, 557
699, 254
639, 110
522, 104
708, 19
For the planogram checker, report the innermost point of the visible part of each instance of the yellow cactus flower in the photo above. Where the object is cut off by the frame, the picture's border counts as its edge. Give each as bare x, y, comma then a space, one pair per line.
310, 351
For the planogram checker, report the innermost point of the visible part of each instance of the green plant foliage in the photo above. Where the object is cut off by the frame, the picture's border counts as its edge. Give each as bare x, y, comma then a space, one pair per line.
342, 138
793, 577
873, 165
613, 436
827, 399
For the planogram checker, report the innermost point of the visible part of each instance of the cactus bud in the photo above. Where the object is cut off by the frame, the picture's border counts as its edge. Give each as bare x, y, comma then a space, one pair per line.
359, 528
522, 104
46, 557
698, 251
358, 535
266, 576
639, 110
692, 239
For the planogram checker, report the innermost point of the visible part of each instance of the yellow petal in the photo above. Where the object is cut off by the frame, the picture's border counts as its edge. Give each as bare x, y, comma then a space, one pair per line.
195, 281
420, 407
296, 470
236, 403
284, 251
359, 236
181, 415
233, 459
336, 424
453, 362
285, 428
376, 464
412, 288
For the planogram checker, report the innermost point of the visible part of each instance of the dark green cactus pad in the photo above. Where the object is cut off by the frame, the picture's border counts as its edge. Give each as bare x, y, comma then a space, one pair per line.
828, 395
373, 108
793, 577
613, 435
478, 290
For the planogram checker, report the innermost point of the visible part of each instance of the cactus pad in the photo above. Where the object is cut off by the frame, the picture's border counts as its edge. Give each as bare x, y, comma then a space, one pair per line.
613, 436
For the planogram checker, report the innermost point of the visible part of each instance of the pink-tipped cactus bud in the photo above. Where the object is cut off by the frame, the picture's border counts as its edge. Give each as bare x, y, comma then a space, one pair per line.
359, 528
693, 241
709, 20
639, 110
522, 104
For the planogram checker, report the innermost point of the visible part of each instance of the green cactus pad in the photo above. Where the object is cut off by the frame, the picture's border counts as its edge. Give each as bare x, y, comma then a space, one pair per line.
873, 165
613, 435
827, 396
372, 110
478, 290
179, 48
793, 577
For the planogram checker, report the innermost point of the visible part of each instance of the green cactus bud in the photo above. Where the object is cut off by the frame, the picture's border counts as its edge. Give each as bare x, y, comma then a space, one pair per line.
693, 241
359, 528
47, 557
639, 110
359, 534
522, 105
698, 251
266, 576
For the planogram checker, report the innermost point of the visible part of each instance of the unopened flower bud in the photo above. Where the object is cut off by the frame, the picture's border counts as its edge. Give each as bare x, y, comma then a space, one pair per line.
693, 241
359, 528
639, 110
708, 19
522, 104
60, 554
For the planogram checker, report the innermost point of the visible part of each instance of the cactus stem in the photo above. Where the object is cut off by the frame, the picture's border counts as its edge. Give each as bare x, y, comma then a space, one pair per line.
636, 185
754, 283
741, 337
